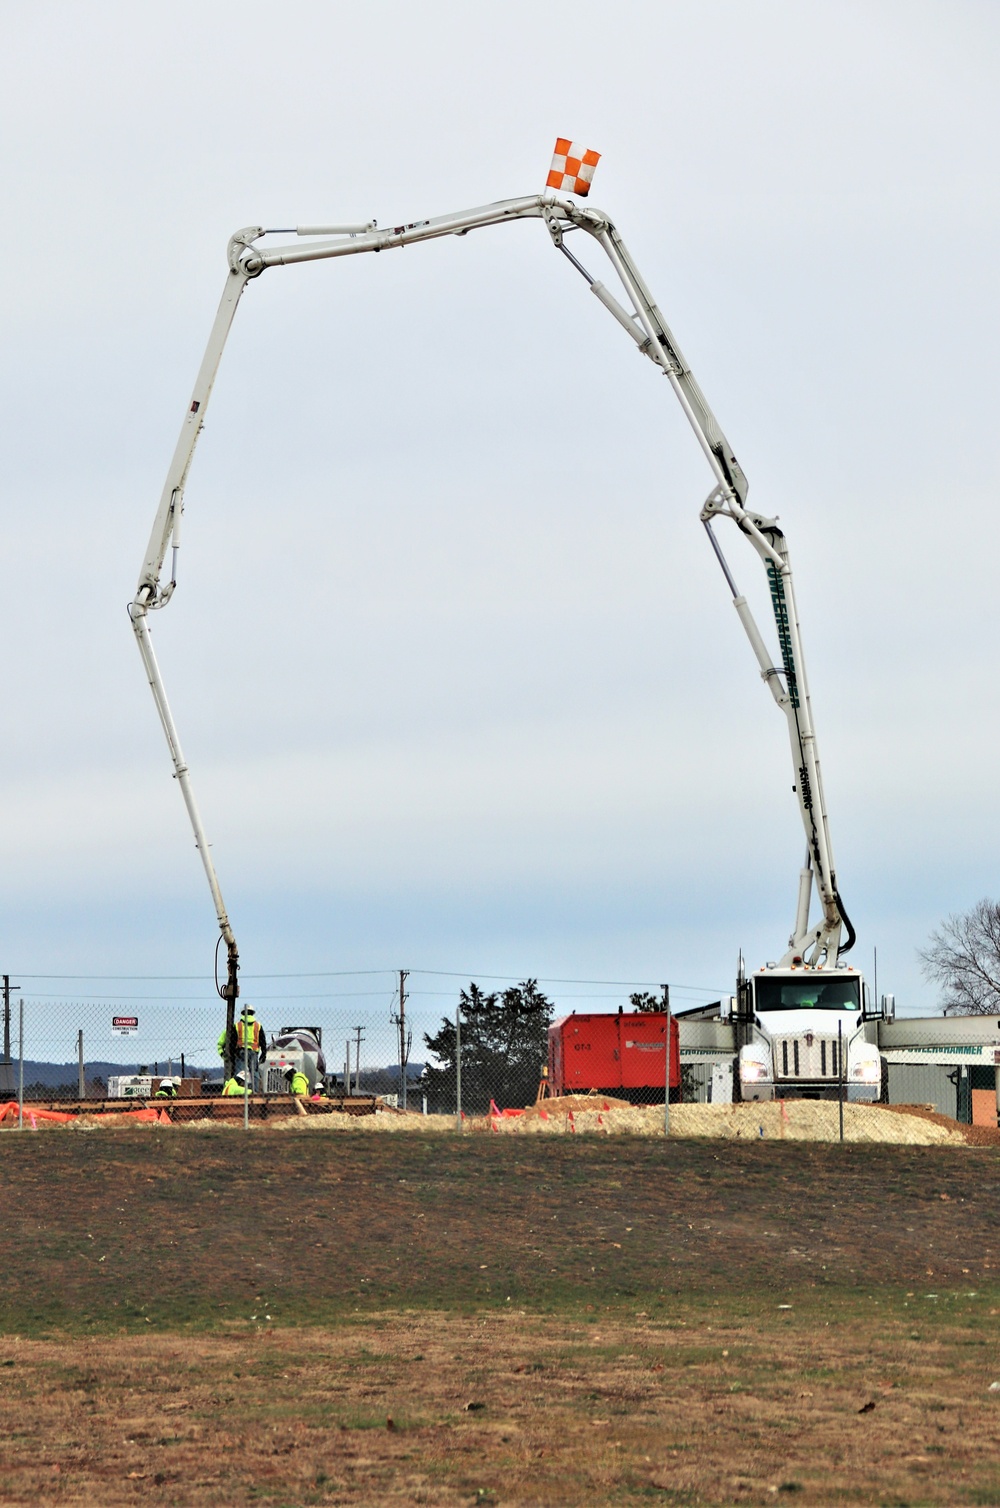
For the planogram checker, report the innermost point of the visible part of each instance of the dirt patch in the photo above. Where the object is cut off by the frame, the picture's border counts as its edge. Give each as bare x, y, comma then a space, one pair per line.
973, 1136
586, 1104
355, 1319
389, 1119
782, 1120
714, 1406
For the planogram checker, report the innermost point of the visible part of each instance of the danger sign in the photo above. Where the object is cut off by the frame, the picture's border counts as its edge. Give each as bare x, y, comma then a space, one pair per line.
124, 1026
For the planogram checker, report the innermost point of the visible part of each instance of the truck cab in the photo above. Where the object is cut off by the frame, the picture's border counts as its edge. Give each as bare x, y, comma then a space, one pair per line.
804, 1033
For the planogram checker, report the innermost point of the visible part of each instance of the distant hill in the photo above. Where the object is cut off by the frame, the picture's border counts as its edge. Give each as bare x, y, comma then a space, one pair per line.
62, 1079
66, 1075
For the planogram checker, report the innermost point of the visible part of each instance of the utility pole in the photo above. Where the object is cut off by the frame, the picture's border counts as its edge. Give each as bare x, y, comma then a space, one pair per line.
6, 1066
405, 1037
7, 987
359, 1034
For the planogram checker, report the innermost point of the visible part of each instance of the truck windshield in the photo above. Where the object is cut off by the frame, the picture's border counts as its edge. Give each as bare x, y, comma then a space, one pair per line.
815, 993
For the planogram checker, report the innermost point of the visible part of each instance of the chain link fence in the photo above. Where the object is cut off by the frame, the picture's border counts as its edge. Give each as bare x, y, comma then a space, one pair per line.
86, 1050
438, 1050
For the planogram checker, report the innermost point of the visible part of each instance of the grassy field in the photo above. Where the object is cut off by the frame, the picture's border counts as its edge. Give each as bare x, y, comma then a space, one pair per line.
298, 1318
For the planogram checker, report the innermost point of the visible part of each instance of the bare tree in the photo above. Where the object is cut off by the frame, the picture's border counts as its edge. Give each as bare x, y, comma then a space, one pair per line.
963, 956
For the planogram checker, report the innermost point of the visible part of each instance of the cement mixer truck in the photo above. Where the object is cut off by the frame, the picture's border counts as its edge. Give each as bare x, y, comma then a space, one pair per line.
295, 1048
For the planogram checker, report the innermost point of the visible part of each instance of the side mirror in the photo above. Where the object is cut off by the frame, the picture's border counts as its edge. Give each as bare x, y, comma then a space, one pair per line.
888, 1007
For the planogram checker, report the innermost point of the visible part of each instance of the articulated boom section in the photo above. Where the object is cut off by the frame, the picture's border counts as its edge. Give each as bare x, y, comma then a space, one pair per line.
818, 945
642, 321
821, 944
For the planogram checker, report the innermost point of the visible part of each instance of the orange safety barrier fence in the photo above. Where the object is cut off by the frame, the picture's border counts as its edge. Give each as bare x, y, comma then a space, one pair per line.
34, 1113
61, 1117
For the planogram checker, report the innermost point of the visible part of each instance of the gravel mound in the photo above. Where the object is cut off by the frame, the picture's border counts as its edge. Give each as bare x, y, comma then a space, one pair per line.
782, 1120
789, 1120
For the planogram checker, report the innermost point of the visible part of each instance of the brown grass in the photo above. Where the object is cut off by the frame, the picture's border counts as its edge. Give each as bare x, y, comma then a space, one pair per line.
511, 1409
219, 1318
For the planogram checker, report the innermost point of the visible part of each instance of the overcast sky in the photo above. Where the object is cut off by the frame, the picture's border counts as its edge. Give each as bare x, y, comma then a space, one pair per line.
457, 675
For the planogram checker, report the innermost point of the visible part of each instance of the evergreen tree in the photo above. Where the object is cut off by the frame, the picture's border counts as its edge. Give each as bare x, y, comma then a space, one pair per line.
504, 1045
644, 1001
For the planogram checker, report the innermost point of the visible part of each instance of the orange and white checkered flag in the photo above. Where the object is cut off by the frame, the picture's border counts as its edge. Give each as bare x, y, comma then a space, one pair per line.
572, 168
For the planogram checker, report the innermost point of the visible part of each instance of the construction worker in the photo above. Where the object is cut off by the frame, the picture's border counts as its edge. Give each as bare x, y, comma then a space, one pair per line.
296, 1081
235, 1085
166, 1091
248, 1032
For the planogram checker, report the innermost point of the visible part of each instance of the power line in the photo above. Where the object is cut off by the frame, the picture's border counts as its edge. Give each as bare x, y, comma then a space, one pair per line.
209, 998
624, 984
173, 978
472, 974
85, 998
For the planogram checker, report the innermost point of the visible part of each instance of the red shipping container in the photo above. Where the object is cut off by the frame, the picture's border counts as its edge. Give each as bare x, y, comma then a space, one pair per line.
619, 1053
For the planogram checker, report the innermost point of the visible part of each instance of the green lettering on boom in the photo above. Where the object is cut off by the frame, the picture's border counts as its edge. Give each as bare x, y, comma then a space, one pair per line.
780, 607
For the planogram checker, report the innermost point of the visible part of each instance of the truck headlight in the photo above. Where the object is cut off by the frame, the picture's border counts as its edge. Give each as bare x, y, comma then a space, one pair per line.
751, 1072
868, 1071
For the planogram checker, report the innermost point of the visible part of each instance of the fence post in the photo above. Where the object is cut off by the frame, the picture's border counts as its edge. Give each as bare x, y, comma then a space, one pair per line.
79, 1054
666, 1077
458, 1069
404, 1051
359, 1034
841, 1075
20, 1065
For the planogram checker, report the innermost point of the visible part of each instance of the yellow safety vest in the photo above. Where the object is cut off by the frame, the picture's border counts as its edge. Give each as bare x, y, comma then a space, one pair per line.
300, 1084
232, 1087
252, 1028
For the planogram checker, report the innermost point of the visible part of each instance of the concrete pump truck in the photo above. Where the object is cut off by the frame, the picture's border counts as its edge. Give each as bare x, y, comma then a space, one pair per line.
801, 1024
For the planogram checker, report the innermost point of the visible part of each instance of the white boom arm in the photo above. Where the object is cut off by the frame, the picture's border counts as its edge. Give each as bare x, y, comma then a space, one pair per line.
819, 944
645, 325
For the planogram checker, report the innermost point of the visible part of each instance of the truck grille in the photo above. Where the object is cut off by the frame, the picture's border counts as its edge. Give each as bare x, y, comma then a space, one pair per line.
808, 1056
